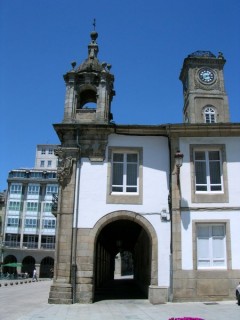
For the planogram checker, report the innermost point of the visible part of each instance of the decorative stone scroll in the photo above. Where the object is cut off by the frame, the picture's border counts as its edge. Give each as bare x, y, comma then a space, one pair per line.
65, 164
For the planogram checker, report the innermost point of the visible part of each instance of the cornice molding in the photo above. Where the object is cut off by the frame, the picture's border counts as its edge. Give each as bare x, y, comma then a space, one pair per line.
167, 130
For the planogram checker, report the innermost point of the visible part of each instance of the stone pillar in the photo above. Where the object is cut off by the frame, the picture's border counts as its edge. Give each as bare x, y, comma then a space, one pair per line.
61, 290
176, 262
70, 103
102, 107
157, 295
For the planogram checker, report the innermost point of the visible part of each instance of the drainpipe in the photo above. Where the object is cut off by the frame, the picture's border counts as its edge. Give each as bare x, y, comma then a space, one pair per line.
170, 211
75, 226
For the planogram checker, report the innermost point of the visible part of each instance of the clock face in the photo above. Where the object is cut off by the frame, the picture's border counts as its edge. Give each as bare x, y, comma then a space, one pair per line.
206, 75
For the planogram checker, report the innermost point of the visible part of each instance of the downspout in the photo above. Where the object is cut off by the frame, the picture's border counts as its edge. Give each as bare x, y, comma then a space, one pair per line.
75, 226
170, 212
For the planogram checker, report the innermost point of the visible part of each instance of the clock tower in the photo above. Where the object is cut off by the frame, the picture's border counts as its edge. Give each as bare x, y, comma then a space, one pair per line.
205, 98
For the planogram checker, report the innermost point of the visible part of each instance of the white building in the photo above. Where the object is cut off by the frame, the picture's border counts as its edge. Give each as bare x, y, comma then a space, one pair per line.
165, 194
29, 232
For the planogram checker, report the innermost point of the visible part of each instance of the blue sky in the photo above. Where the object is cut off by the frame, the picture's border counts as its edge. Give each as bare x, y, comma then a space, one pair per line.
145, 41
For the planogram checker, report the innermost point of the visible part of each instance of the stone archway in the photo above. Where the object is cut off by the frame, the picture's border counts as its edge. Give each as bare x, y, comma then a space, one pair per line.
135, 234
46, 268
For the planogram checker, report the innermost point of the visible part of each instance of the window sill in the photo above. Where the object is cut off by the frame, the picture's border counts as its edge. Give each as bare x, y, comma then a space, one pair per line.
210, 197
124, 198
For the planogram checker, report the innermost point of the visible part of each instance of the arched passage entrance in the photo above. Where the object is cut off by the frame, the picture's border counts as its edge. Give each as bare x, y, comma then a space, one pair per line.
132, 235
46, 267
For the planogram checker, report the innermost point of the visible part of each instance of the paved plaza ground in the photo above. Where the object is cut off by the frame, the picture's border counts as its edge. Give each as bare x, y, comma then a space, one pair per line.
28, 301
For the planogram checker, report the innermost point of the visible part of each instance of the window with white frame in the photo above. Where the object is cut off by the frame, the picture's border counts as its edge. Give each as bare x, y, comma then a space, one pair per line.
30, 223
48, 242
15, 188
42, 163
36, 175
49, 224
125, 172
33, 189
49, 163
209, 179
51, 188
14, 205
47, 207
32, 206
13, 222
125, 175
208, 171
209, 114
211, 246
43, 151
50, 151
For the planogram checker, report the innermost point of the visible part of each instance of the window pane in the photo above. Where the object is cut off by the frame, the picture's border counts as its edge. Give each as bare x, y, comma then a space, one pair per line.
218, 248
200, 168
218, 231
213, 120
203, 249
117, 173
207, 118
214, 155
199, 155
203, 231
132, 157
203, 263
131, 174
201, 188
215, 172
117, 189
131, 189
118, 157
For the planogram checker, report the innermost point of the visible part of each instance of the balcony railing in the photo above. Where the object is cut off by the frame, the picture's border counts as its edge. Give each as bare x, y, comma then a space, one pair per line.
28, 245
48, 246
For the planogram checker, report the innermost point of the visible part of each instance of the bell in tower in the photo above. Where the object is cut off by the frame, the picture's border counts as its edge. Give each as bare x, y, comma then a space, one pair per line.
205, 98
89, 89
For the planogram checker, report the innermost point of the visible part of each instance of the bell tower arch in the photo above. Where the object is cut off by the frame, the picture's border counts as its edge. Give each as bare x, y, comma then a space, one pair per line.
205, 98
89, 89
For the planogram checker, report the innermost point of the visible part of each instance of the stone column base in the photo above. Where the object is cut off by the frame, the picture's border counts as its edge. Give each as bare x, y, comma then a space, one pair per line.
157, 295
60, 293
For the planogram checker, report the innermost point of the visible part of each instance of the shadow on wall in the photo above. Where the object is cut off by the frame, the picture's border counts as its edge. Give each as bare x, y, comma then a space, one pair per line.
186, 216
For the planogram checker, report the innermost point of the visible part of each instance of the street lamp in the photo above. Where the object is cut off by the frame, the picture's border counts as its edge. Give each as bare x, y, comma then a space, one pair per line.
178, 161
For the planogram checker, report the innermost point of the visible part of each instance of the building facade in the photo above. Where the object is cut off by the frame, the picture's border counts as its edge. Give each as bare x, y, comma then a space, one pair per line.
164, 195
30, 226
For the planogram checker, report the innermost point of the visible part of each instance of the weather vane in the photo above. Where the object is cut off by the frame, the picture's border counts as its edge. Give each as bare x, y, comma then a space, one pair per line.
94, 24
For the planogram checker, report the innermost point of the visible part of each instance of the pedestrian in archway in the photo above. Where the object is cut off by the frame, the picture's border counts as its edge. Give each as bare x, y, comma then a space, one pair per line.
34, 278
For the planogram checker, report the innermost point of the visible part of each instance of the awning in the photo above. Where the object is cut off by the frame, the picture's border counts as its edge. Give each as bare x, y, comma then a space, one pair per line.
12, 264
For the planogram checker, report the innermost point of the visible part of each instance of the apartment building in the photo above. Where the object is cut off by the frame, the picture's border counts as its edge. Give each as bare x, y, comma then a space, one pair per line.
29, 230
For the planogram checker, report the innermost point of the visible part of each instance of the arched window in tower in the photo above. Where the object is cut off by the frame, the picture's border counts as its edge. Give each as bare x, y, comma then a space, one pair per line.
209, 114
87, 98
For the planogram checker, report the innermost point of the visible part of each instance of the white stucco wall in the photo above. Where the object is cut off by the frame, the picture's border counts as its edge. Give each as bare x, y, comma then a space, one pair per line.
93, 181
93, 192
230, 212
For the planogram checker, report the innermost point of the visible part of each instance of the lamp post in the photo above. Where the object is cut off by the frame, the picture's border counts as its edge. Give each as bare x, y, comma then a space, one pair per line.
178, 162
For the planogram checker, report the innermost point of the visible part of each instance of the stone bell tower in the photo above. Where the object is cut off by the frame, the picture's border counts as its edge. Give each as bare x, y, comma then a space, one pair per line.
83, 133
205, 98
89, 89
